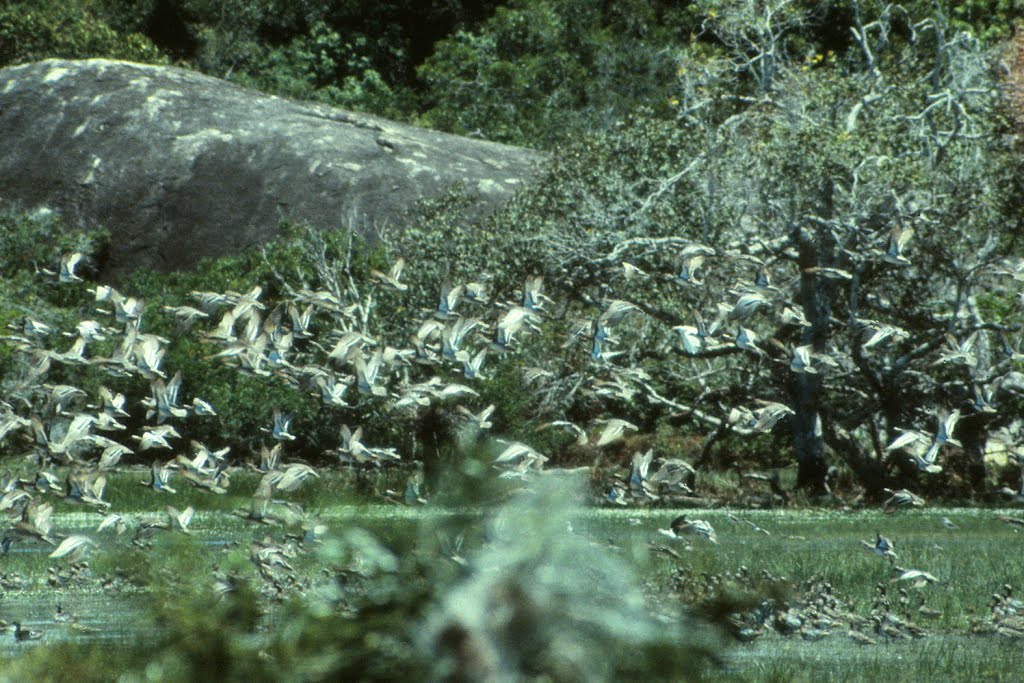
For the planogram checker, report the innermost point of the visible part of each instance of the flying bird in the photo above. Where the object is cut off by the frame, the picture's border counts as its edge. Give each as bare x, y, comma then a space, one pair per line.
681, 526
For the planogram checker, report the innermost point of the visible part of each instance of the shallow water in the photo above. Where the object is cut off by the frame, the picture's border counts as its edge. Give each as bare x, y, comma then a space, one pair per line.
88, 617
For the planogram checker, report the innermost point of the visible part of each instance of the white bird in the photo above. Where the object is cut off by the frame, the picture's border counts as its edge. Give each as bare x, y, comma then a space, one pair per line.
690, 338
836, 274
156, 437
476, 292
90, 331
37, 328
520, 458
902, 498
751, 524
631, 272
898, 238
149, 353
332, 391
367, 372
615, 312
801, 360
688, 269
924, 450
681, 526
159, 478
76, 432
127, 309
353, 449
617, 495
919, 577
163, 403
245, 305
452, 335
74, 548
36, 522
571, 427
74, 355
282, 423
111, 455
301, 320
113, 521
639, 486
202, 408
793, 316
747, 305
111, 403
179, 521
674, 476
947, 424
86, 488
746, 339
959, 353
882, 547
68, 263
290, 478
449, 299
614, 430
225, 330
926, 461
533, 298
10, 423
481, 420
769, 414
883, 334
210, 301
908, 437
186, 316
392, 277
61, 396
513, 320
471, 365
343, 348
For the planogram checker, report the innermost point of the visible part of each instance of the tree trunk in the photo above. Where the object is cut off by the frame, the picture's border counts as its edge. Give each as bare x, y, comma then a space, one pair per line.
808, 443
815, 298
971, 432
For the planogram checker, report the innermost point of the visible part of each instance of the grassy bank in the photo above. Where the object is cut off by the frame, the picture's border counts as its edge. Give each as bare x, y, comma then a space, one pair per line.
768, 566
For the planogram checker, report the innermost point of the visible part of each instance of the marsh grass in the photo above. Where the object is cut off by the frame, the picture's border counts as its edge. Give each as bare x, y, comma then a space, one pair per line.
936, 659
971, 563
126, 492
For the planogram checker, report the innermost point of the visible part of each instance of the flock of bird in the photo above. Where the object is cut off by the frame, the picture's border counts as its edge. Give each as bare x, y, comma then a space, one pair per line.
313, 341
319, 342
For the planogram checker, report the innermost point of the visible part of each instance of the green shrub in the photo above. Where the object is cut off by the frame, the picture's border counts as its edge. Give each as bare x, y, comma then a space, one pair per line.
538, 72
32, 30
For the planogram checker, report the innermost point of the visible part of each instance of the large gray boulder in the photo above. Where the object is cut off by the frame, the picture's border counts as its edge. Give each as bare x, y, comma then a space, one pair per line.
179, 165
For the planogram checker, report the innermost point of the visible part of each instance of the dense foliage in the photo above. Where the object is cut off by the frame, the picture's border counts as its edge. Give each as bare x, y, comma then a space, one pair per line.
759, 131
531, 72
769, 232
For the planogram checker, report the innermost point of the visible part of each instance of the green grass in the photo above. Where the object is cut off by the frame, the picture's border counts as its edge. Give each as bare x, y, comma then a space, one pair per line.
941, 658
971, 564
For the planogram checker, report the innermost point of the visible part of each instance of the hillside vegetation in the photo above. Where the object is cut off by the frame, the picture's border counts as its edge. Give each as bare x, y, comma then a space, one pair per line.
772, 243
775, 260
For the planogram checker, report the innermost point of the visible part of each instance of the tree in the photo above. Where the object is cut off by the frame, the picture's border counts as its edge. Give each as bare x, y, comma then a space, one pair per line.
876, 188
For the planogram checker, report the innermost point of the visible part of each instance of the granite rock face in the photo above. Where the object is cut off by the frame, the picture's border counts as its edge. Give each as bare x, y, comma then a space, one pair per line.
179, 165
